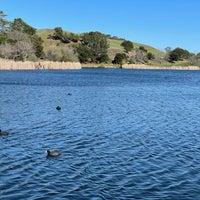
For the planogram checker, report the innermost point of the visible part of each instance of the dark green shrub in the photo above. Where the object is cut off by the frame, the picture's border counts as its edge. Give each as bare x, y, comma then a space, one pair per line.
103, 58
150, 56
128, 45
84, 54
178, 54
120, 58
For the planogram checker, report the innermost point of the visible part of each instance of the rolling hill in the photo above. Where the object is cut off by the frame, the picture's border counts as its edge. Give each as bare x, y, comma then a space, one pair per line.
56, 47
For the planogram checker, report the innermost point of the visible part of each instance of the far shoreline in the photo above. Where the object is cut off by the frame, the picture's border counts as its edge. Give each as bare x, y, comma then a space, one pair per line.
141, 66
50, 65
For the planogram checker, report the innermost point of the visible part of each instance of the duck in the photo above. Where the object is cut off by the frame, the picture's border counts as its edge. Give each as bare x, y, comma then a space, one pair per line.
69, 93
58, 108
3, 132
53, 153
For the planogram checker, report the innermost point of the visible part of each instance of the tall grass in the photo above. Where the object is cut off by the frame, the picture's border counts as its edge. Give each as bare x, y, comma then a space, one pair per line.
141, 66
28, 65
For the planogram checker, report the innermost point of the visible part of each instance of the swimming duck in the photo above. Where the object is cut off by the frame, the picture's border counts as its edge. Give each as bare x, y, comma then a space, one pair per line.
58, 108
53, 153
3, 132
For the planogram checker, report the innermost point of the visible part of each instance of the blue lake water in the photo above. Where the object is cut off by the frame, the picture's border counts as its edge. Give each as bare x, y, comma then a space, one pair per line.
123, 134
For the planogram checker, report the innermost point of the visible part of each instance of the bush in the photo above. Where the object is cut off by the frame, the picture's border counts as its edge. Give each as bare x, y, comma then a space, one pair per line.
62, 53
84, 54
120, 58
58, 34
128, 45
142, 49
103, 58
178, 54
140, 56
150, 56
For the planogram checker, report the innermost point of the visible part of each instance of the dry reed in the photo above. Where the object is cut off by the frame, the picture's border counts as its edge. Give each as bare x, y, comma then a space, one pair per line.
28, 65
140, 66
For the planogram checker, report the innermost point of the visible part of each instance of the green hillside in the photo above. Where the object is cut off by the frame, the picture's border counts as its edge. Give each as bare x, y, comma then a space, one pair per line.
21, 42
115, 47
56, 50
116, 44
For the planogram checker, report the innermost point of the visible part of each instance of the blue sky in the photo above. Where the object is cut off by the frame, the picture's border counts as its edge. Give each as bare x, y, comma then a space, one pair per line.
158, 23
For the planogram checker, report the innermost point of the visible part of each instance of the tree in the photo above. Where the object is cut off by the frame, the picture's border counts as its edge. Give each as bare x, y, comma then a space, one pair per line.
198, 55
64, 53
140, 56
37, 45
168, 50
19, 39
4, 24
58, 33
128, 45
103, 58
120, 58
96, 45
22, 46
167, 53
64, 37
6, 51
142, 49
150, 56
178, 54
73, 37
4, 27
173, 56
19, 25
194, 60
84, 54
23, 49
2, 38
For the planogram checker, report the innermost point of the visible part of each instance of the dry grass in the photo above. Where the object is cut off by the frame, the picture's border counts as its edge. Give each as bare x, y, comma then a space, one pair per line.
28, 65
141, 66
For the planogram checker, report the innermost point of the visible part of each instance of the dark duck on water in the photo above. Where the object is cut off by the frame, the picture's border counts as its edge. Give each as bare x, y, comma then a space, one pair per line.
53, 153
3, 132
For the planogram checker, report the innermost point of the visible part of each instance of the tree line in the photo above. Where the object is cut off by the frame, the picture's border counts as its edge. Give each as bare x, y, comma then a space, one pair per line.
19, 41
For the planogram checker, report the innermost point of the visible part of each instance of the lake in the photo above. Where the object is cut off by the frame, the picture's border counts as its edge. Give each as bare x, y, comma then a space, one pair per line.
122, 134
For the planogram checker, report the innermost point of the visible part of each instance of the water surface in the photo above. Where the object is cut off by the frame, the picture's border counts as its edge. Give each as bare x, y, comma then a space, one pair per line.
123, 134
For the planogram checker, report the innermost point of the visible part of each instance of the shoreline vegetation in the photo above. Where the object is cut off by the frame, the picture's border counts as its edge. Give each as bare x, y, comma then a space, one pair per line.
50, 65
141, 66
30, 65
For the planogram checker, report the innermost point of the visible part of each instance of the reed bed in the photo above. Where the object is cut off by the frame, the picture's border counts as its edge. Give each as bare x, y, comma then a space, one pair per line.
28, 65
50, 65
140, 66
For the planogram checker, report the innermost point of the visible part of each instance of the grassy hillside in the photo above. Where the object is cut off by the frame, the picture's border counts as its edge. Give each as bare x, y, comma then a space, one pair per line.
115, 46
54, 49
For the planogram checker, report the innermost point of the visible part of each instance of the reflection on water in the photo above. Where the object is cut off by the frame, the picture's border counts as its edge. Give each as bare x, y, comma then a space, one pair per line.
123, 134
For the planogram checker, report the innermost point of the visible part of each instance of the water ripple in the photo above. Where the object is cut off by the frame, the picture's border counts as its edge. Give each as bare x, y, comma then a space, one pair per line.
133, 139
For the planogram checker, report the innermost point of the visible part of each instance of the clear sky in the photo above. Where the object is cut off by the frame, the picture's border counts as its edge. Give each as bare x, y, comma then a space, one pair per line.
158, 23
